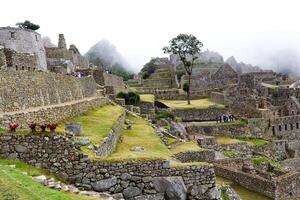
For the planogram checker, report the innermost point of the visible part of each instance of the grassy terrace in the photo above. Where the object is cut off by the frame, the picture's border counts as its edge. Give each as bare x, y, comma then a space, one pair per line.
195, 104
187, 146
147, 98
250, 141
15, 184
97, 123
141, 134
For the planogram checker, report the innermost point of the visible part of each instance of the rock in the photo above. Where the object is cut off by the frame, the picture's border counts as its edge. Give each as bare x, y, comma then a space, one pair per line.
83, 141
214, 193
118, 196
103, 185
137, 149
131, 192
178, 130
20, 148
150, 197
74, 128
128, 127
163, 122
125, 176
40, 179
172, 187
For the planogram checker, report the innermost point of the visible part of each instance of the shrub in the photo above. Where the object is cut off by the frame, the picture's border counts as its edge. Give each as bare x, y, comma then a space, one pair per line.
164, 115
13, 126
32, 126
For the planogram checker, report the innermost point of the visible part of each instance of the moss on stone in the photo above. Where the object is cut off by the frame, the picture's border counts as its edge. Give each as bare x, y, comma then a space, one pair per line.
147, 98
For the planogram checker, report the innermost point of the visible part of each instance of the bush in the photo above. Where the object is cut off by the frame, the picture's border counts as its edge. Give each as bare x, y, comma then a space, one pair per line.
131, 98
148, 69
186, 87
164, 115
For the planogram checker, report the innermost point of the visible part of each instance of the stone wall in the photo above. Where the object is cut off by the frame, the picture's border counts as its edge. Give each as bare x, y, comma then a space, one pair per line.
229, 130
17, 61
218, 97
24, 41
198, 115
60, 155
249, 181
196, 156
110, 80
147, 108
53, 113
110, 142
20, 90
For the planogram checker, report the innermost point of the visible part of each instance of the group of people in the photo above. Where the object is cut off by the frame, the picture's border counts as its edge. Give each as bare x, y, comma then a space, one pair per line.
225, 118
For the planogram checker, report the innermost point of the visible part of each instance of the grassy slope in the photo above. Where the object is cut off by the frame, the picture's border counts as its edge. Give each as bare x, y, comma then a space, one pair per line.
97, 123
195, 104
147, 98
14, 184
141, 134
187, 146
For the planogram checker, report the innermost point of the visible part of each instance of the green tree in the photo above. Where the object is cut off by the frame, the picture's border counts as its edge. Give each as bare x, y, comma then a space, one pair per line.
187, 47
148, 69
28, 25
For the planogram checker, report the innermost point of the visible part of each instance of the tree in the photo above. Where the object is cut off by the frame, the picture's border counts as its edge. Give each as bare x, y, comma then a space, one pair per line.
28, 25
187, 47
148, 69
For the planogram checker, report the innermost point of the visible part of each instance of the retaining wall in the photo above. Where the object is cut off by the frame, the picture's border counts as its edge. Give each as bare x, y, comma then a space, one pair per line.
199, 114
196, 156
110, 142
60, 155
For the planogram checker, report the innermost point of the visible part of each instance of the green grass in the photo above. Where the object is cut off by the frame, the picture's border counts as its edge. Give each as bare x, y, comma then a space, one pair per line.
224, 195
222, 123
179, 164
195, 104
264, 160
230, 153
97, 123
141, 134
14, 184
147, 98
187, 146
227, 140
254, 141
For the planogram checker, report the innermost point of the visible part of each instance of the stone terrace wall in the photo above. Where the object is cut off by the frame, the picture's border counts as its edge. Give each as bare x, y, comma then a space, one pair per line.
288, 185
230, 130
249, 181
147, 108
196, 156
21, 90
51, 114
218, 97
110, 142
105, 79
59, 155
198, 115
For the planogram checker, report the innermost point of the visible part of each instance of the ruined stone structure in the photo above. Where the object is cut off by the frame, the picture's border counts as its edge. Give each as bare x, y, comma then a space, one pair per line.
63, 60
24, 43
164, 76
12, 60
212, 78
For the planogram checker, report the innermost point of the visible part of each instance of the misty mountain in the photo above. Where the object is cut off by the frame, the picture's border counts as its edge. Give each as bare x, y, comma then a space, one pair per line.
241, 67
105, 54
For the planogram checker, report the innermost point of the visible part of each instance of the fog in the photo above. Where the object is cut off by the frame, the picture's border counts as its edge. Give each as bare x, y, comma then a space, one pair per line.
264, 33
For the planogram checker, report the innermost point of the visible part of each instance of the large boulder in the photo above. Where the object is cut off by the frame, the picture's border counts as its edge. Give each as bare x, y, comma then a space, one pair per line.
178, 130
173, 188
104, 185
131, 192
74, 128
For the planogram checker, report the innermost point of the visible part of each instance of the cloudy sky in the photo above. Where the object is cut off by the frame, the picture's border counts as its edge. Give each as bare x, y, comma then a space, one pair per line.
254, 31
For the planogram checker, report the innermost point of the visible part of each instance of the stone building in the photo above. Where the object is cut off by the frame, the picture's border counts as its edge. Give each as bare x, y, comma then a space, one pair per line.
63, 60
10, 59
24, 42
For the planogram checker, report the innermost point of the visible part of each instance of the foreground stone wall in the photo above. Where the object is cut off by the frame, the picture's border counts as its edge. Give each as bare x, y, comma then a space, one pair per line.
58, 154
51, 114
110, 142
204, 155
20, 90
